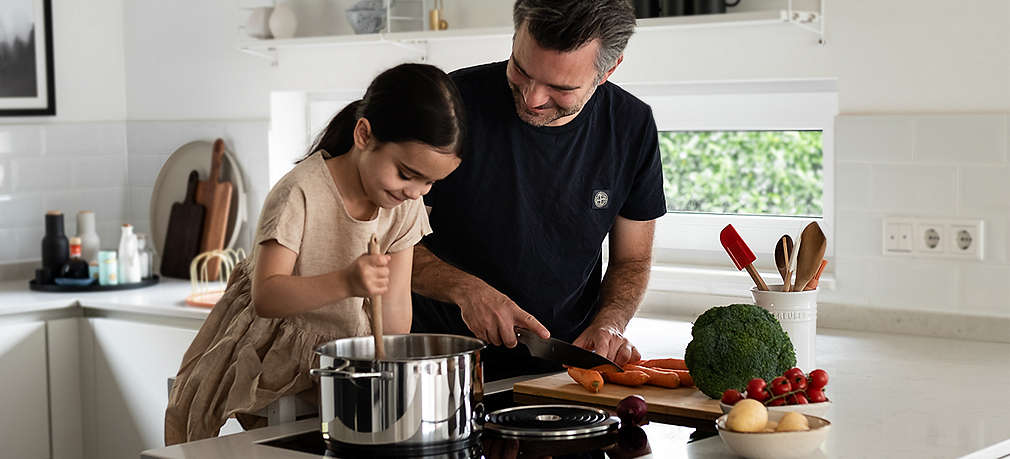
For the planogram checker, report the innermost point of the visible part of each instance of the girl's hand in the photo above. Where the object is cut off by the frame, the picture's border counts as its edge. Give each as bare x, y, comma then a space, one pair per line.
368, 275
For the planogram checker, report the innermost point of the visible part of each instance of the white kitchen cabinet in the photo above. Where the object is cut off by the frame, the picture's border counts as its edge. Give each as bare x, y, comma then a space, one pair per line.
132, 362
65, 388
24, 404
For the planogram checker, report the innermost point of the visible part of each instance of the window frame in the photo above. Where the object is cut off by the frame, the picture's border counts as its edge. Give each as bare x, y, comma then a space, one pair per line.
692, 239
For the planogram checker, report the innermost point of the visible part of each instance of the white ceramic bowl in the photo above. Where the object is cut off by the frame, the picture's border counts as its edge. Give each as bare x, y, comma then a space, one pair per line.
813, 409
775, 445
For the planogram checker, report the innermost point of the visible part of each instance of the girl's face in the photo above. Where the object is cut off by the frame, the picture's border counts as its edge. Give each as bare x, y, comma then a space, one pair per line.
393, 172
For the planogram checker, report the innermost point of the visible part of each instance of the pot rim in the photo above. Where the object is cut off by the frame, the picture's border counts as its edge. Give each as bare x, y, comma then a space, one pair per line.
480, 345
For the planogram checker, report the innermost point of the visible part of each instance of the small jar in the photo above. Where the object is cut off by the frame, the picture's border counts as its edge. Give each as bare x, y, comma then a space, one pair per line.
108, 268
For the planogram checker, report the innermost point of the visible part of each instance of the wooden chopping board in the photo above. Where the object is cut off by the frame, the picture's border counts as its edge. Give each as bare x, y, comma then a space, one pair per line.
185, 227
683, 401
215, 196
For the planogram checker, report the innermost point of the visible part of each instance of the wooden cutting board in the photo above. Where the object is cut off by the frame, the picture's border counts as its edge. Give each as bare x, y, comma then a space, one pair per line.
683, 401
215, 195
185, 229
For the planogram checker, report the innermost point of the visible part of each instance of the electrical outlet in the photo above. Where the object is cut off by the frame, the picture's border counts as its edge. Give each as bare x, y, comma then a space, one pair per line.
930, 237
966, 240
934, 237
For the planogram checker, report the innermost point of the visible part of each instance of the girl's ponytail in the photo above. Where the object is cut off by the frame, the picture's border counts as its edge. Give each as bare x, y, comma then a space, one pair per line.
338, 136
407, 103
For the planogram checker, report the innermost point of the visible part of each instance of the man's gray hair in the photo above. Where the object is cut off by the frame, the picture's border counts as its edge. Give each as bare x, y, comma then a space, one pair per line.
566, 25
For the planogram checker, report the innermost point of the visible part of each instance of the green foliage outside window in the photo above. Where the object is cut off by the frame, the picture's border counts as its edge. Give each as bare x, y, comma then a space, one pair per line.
743, 172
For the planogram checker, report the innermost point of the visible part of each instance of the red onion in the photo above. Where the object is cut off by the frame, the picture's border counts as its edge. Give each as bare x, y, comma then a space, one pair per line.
632, 410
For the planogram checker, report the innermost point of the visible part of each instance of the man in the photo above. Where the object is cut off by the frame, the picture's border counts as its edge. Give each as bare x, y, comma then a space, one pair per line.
557, 158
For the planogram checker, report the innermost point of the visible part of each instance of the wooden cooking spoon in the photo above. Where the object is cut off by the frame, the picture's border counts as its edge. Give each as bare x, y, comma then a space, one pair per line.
782, 251
376, 301
812, 245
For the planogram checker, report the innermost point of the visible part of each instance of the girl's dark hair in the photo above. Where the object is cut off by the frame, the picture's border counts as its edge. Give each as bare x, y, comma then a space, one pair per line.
409, 102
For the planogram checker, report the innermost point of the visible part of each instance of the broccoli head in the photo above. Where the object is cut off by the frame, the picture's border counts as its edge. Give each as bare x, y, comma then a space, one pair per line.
732, 344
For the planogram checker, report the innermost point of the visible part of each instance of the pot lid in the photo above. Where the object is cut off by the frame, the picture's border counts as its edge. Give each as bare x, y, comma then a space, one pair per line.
551, 421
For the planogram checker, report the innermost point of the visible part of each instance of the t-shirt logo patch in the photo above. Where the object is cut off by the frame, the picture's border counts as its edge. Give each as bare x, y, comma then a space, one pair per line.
601, 199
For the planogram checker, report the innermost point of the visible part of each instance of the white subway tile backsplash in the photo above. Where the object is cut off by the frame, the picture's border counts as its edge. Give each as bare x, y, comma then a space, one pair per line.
143, 170
851, 279
961, 139
984, 188
140, 202
858, 234
8, 250
5, 176
21, 210
66, 201
161, 138
85, 139
853, 186
914, 189
108, 204
100, 172
874, 138
985, 288
37, 174
20, 140
913, 283
29, 242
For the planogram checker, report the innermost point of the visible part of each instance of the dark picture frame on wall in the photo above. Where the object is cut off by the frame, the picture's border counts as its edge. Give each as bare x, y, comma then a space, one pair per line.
26, 58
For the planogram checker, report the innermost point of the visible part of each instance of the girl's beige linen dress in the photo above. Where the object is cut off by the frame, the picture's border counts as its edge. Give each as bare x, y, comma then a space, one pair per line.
239, 363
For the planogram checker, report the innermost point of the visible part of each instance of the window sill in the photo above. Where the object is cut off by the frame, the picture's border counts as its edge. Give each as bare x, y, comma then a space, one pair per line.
714, 281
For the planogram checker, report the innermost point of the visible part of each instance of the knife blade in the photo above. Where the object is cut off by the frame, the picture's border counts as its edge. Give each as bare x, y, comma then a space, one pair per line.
561, 352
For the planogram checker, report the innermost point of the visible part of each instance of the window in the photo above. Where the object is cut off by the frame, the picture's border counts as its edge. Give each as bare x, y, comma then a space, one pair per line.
743, 172
757, 155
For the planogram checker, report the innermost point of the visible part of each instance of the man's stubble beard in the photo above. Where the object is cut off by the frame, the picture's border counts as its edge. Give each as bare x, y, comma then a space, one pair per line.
544, 120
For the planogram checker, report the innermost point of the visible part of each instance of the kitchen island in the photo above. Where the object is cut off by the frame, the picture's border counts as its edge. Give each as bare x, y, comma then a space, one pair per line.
894, 396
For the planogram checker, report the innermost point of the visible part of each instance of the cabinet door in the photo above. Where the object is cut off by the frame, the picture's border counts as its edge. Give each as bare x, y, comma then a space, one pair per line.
65, 387
133, 362
24, 405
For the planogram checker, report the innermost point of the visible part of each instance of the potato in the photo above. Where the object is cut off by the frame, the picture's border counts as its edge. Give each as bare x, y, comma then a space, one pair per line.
793, 422
747, 416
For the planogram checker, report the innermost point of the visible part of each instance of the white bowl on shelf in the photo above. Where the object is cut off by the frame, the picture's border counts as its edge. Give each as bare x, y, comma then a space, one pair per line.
812, 409
775, 445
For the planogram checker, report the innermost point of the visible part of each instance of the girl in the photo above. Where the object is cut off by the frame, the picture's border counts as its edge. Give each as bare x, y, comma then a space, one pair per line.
304, 281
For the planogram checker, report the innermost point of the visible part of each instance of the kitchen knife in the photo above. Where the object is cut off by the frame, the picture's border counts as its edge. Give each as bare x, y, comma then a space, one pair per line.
562, 352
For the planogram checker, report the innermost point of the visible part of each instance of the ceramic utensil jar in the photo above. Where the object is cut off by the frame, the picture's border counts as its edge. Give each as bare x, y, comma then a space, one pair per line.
797, 312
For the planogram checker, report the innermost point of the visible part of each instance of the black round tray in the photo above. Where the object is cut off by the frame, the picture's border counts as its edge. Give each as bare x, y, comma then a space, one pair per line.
91, 288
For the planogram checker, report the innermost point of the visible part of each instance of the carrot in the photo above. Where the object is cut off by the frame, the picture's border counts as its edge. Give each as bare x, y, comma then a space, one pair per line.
660, 378
669, 364
627, 378
591, 380
685, 378
604, 369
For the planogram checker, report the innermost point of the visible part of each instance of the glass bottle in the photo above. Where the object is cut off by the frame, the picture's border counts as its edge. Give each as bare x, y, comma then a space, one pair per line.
75, 267
146, 256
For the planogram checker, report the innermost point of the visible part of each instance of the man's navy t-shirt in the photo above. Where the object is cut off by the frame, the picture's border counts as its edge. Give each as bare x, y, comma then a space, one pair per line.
529, 207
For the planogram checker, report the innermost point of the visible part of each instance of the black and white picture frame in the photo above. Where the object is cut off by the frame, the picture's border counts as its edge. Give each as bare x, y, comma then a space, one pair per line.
26, 58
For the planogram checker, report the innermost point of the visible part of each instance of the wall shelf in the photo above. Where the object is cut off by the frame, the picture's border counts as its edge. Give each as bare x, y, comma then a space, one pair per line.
812, 21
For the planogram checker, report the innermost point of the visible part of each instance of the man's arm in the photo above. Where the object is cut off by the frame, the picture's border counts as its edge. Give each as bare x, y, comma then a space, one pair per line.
489, 314
622, 290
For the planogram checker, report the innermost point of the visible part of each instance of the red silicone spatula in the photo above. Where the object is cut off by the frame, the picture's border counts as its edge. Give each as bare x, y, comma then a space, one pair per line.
741, 255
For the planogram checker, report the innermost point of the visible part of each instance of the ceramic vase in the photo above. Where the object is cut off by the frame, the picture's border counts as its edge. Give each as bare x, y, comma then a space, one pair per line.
283, 22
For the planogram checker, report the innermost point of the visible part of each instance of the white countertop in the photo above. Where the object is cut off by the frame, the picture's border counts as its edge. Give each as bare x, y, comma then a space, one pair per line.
166, 299
894, 396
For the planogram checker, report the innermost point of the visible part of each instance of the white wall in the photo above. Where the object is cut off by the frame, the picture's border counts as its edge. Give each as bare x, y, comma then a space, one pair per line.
75, 160
905, 68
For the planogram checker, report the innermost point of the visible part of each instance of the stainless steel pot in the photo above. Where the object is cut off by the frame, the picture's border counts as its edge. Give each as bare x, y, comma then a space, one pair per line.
428, 390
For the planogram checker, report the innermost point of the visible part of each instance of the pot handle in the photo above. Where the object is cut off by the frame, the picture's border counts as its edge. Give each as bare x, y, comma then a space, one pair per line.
340, 373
